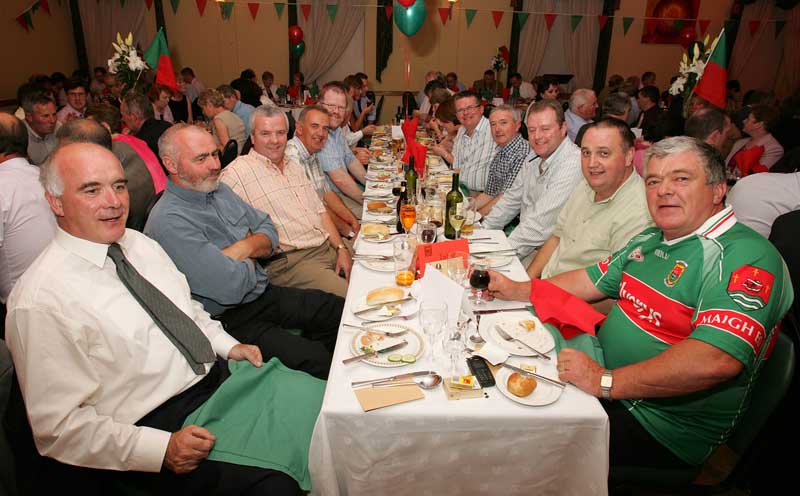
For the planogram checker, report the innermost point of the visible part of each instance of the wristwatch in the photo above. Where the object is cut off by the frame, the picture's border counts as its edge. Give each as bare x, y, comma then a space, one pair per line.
340, 246
606, 383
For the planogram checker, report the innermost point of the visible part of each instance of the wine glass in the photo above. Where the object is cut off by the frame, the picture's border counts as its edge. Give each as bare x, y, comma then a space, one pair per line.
408, 215
432, 316
479, 281
426, 232
457, 266
457, 219
453, 345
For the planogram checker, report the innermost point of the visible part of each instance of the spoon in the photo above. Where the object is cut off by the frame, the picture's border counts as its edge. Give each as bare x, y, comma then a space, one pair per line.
429, 381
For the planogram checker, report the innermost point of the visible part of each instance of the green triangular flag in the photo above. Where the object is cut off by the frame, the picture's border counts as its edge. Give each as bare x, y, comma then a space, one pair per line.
332, 8
574, 21
175, 4
626, 24
279, 8
522, 18
470, 13
29, 19
778, 27
678, 23
226, 9
34, 7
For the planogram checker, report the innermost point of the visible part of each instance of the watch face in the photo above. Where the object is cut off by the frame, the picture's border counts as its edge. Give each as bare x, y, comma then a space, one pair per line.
606, 381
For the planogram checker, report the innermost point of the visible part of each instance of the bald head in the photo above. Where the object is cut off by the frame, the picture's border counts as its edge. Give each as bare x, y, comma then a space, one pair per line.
84, 131
13, 137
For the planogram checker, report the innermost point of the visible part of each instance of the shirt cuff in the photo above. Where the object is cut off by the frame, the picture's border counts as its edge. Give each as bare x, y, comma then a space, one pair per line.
150, 450
223, 343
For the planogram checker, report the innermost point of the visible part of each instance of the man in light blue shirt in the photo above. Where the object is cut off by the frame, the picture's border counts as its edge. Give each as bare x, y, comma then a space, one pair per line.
230, 100
582, 108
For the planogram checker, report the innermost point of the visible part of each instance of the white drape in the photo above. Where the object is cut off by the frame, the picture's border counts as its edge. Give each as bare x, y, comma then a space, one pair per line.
755, 58
581, 46
101, 21
326, 41
788, 79
533, 38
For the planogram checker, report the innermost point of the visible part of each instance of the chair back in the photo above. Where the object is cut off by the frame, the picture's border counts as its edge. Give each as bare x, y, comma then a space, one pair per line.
8, 481
229, 153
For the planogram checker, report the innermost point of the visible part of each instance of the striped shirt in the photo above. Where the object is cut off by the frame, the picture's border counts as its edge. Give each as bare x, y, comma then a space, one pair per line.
288, 197
473, 154
297, 152
335, 154
506, 164
537, 197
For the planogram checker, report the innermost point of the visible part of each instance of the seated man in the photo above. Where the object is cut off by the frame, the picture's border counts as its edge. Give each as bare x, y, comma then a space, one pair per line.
488, 87
218, 240
231, 101
544, 184
137, 114
310, 134
42, 124
699, 299
582, 109
474, 148
26, 223
104, 318
647, 99
605, 210
268, 179
759, 199
616, 106
520, 89
510, 155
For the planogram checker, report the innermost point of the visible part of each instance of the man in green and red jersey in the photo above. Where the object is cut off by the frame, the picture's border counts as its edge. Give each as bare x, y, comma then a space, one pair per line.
699, 298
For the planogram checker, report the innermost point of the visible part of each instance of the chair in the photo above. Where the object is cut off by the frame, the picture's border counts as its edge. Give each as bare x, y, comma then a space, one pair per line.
8, 482
229, 153
152, 204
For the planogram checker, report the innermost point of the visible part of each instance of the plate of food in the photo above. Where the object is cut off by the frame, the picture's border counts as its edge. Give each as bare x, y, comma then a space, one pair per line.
376, 233
522, 325
378, 265
384, 303
378, 176
528, 390
379, 207
372, 338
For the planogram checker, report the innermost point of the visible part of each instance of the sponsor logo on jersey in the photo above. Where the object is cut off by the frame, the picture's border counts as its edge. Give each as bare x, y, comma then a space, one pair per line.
675, 274
636, 255
750, 287
661, 253
603, 264
740, 325
658, 315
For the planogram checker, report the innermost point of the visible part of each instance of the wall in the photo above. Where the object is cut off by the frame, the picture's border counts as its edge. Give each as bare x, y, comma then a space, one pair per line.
47, 48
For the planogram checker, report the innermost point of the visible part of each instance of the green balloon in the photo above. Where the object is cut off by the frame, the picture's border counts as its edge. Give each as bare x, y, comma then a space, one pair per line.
299, 48
410, 19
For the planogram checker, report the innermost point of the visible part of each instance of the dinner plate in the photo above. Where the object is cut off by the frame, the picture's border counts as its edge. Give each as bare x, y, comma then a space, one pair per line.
407, 308
544, 394
378, 176
539, 338
378, 265
495, 261
415, 345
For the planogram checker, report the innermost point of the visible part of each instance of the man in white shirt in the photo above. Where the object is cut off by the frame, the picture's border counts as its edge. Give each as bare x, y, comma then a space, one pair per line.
474, 148
759, 199
543, 185
99, 377
522, 89
582, 109
193, 85
42, 123
26, 223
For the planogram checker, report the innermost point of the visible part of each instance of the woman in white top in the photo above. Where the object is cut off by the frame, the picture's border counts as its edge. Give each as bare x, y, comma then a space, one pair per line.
160, 96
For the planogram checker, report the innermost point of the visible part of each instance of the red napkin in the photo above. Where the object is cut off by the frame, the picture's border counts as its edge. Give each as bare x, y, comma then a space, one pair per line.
309, 101
409, 129
567, 312
748, 160
292, 91
506, 93
418, 151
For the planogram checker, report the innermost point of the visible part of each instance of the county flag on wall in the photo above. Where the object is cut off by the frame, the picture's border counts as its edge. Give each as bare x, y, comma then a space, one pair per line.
158, 57
712, 83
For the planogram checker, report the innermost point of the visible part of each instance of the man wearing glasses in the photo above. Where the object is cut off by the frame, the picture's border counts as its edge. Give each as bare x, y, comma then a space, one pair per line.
76, 101
474, 147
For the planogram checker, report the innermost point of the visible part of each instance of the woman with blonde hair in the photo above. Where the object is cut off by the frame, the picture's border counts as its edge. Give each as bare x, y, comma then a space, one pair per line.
225, 125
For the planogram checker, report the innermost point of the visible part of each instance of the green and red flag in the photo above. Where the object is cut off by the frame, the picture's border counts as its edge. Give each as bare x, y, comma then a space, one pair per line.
711, 85
158, 57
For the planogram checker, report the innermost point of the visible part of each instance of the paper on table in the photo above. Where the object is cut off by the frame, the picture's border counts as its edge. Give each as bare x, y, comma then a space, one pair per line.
397, 132
372, 398
493, 353
436, 286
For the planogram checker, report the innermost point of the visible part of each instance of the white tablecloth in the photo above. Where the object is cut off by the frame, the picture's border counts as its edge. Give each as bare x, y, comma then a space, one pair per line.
436, 446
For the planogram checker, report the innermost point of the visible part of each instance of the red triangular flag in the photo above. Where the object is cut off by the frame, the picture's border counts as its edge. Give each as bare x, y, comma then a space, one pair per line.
23, 22
549, 19
753, 25
306, 8
148, 4
703, 23
201, 6
650, 24
498, 16
388, 9
46, 7
253, 9
444, 13
602, 20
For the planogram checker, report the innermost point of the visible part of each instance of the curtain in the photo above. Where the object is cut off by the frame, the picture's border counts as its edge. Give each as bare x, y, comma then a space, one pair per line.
581, 45
533, 38
101, 21
755, 59
326, 40
789, 70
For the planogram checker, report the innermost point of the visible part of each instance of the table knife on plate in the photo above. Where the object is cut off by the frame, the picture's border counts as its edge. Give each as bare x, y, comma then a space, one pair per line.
375, 353
393, 378
534, 374
500, 310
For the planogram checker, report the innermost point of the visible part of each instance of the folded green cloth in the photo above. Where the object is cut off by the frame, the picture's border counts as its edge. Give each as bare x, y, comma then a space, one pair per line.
583, 342
263, 417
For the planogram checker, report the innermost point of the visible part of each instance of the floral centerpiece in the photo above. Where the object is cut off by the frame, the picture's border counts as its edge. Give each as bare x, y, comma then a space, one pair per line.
126, 64
691, 70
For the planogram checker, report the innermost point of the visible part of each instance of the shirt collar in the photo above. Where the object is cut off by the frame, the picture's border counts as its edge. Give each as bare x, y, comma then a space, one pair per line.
511, 144
261, 159
545, 163
33, 133
236, 106
634, 177
94, 253
188, 195
714, 227
483, 123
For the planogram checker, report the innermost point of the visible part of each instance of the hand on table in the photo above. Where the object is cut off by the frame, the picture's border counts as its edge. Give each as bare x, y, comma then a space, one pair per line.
187, 448
368, 130
362, 154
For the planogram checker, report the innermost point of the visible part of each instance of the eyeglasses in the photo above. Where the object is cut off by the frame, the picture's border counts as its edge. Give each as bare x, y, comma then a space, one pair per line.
467, 109
331, 106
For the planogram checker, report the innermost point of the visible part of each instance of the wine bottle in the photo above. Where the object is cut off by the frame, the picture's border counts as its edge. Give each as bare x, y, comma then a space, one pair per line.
411, 180
454, 201
403, 200
398, 116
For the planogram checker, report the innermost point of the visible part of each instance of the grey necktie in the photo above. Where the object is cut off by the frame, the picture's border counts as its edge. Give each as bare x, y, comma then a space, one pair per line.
176, 325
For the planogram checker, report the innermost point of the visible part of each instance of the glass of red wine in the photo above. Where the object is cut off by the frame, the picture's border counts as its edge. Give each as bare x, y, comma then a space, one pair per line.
479, 281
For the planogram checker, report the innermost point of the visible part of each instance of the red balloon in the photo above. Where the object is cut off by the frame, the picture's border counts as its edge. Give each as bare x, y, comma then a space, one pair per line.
406, 3
686, 37
295, 34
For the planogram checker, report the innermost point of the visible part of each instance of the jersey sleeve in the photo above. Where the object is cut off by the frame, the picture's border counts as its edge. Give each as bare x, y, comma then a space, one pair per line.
606, 274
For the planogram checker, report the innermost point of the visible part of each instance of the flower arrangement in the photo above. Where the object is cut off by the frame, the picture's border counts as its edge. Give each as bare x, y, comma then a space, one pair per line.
125, 64
691, 70
499, 61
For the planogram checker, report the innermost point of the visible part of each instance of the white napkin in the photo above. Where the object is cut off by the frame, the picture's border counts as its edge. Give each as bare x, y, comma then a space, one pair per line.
436, 286
493, 353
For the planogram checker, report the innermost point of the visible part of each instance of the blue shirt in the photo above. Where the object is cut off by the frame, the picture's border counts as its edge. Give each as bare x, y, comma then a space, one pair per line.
335, 155
361, 104
243, 110
194, 227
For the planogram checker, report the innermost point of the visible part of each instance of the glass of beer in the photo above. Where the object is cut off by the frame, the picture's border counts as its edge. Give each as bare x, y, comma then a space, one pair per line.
403, 257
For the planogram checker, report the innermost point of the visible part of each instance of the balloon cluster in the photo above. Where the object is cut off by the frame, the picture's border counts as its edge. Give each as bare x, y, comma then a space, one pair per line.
409, 15
298, 46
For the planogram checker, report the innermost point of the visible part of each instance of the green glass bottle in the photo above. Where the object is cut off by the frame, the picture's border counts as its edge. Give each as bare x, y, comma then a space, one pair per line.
454, 201
411, 181
403, 200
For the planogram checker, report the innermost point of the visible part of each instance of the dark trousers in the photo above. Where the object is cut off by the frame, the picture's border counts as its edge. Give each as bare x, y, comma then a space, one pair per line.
264, 323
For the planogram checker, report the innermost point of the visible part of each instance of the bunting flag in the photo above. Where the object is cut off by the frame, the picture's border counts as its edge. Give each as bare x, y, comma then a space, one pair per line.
574, 21
602, 21
388, 10
522, 18
279, 8
148, 4
226, 9
626, 24
497, 15
470, 15
306, 8
332, 9
175, 4
703, 24
678, 24
549, 19
778, 27
444, 14
46, 6
711, 85
25, 19
253, 9
753, 26
201, 6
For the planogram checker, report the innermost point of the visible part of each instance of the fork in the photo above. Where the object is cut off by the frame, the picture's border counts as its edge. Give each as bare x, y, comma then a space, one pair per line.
507, 337
390, 334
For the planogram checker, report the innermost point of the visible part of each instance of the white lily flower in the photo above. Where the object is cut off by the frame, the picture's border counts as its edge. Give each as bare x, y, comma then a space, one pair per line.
119, 39
677, 86
129, 39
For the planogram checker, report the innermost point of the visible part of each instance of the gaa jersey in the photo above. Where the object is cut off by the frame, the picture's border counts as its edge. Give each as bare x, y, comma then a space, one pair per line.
725, 285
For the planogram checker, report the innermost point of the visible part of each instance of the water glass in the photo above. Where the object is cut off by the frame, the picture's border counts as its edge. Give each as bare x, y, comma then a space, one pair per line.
453, 345
403, 251
457, 266
426, 231
433, 317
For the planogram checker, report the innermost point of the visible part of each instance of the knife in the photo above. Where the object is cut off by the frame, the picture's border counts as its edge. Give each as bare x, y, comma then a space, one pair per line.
375, 353
499, 310
534, 374
393, 378
379, 305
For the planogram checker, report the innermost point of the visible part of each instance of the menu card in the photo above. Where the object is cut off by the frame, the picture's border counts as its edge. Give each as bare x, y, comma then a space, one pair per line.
434, 252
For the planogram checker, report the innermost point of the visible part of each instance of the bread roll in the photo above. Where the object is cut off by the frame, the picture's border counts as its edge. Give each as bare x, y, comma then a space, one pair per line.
520, 385
384, 295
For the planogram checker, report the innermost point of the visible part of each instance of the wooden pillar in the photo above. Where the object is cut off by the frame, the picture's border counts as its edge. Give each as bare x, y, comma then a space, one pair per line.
160, 24
77, 33
294, 60
604, 46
